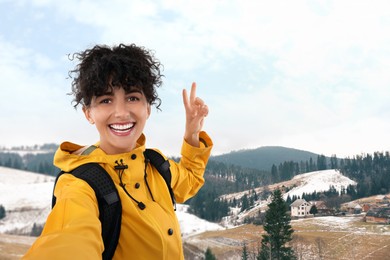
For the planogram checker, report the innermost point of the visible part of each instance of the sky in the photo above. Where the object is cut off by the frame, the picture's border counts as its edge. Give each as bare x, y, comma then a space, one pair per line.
309, 75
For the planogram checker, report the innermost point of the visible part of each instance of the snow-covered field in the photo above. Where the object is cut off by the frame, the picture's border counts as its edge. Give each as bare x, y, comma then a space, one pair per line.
26, 197
191, 224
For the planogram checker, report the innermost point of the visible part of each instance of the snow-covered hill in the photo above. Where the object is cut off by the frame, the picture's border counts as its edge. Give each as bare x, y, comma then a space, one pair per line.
318, 181
26, 196
307, 183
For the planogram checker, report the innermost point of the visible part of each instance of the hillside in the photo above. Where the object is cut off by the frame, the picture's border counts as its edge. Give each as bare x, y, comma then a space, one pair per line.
263, 158
314, 238
27, 195
307, 183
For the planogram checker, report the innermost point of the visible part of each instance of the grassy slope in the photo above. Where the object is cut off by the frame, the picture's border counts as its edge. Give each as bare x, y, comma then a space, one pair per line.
312, 238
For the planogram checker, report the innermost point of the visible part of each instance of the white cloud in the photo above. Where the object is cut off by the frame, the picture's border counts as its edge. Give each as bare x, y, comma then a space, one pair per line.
33, 96
273, 73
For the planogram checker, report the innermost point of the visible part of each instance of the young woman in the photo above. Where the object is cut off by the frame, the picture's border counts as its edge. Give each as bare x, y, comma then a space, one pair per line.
116, 88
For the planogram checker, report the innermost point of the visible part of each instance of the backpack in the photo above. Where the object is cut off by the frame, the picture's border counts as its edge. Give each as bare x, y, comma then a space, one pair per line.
110, 207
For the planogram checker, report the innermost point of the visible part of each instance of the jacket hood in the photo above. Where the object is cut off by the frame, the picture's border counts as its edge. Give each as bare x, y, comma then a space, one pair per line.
70, 155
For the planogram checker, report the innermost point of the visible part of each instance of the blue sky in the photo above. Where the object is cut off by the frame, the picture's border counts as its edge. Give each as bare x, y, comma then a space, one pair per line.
310, 75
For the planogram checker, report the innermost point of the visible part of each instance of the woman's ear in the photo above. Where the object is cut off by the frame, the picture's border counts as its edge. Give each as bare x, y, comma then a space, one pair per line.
87, 114
149, 110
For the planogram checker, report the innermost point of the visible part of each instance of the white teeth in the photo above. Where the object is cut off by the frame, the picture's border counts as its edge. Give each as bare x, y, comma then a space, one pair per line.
121, 127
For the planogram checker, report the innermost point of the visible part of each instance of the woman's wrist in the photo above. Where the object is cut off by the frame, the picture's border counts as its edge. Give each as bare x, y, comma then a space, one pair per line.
192, 139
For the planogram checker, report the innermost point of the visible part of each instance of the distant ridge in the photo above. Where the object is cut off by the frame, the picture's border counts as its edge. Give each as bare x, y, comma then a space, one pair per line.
263, 158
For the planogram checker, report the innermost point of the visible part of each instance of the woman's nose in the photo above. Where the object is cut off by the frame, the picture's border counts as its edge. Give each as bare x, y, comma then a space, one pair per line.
121, 110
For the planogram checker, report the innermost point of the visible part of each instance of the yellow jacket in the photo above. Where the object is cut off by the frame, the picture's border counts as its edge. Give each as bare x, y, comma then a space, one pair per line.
73, 230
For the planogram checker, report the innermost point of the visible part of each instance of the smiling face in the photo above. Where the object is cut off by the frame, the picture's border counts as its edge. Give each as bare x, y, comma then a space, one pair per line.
119, 117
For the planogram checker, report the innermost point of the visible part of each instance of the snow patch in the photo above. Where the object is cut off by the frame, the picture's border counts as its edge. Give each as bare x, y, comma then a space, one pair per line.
191, 224
319, 181
26, 196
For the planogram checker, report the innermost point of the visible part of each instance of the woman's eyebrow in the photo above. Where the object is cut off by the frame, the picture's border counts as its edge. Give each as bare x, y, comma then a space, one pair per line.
107, 93
134, 90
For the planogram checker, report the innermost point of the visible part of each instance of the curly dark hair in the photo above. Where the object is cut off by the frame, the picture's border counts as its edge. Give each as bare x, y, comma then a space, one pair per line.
103, 68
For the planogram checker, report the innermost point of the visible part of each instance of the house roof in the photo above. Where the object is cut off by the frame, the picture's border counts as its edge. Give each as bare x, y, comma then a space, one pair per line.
317, 202
320, 204
298, 203
379, 212
352, 205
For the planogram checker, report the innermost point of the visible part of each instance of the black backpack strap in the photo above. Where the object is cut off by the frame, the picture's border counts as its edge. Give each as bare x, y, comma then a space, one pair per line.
53, 198
163, 167
110, 208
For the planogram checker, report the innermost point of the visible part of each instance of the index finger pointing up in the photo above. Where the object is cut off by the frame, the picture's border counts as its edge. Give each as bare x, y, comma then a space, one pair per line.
193, 93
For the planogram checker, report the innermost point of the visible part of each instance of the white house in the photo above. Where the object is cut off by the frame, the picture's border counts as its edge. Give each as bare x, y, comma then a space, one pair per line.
300, 208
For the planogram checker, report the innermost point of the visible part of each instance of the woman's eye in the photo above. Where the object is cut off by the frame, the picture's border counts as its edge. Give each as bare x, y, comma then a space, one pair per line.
133, 98
105, 101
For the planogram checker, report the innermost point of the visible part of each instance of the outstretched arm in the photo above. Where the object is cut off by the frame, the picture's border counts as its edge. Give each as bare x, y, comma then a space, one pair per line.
196, 111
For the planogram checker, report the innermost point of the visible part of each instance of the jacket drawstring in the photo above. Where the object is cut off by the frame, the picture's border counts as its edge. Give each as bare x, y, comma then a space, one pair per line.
120, 167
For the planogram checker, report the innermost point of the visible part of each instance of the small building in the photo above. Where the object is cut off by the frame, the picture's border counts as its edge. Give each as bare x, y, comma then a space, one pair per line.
352, 208
379, 215
322, 209
380, 199
366, 207
357, 209
300, 208
320, 204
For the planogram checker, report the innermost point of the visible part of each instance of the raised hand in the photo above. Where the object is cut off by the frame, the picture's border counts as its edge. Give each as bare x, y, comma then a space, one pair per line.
196, 111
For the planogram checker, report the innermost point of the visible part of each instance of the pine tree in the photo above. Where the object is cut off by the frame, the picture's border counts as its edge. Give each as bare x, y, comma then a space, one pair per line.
245, 203
274, 174
274, 244
245, 254
36, 230
313, 210
2, 212
209, 255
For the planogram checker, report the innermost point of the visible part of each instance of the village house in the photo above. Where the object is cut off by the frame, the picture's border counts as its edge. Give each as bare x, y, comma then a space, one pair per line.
300, 208
321, 207
385, 200
379, 215
352, 208
379, 199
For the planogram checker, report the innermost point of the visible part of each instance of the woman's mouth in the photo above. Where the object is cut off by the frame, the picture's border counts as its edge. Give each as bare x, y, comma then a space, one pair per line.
121, 129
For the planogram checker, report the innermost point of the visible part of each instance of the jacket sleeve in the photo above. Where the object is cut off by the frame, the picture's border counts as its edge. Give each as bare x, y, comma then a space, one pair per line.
187, 175
72, 230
